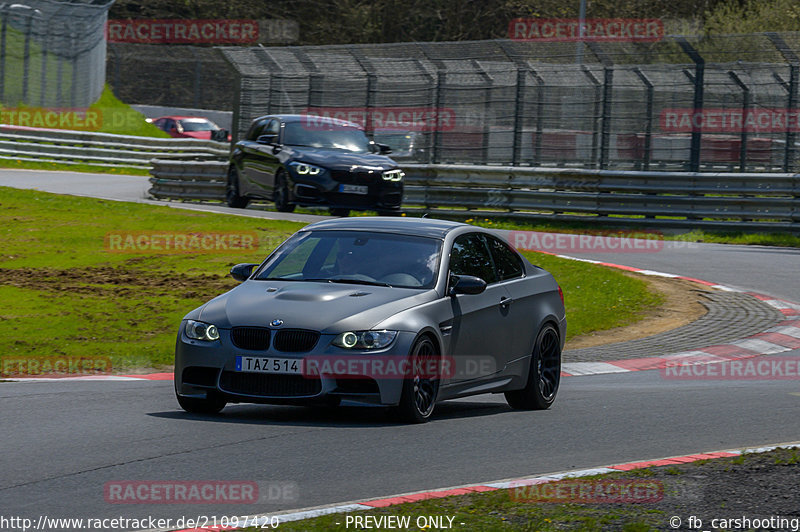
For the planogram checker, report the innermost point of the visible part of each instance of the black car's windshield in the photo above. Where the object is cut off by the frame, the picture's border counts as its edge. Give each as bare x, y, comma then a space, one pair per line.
356, 257
321, 134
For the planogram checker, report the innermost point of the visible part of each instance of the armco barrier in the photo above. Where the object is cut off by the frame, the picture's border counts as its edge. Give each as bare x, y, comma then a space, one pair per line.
100, 149
714, 201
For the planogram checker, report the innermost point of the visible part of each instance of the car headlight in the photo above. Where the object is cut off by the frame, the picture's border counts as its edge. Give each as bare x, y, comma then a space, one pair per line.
306, 169
197, 330
365, 339
393, 175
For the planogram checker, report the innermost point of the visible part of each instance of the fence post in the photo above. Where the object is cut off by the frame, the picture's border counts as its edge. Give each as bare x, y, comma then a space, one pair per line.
441, 77
608, 93
745, 112
369, 97
596, 113
699, 76
487, 107
537, 146
3, 32
794, 68
648, 128
518, 116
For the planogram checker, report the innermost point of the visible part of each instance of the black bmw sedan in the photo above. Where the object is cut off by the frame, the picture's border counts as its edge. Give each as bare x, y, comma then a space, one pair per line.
313, 161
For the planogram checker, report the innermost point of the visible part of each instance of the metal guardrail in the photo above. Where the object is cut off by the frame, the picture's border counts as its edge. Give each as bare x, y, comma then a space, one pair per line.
100, 149
713, 201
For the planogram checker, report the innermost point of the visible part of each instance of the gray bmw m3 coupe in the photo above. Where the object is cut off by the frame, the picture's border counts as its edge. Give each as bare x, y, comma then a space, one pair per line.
396, 312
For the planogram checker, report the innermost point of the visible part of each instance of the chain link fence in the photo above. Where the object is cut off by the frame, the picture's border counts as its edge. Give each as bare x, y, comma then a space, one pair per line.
683, 103
196, 77
52, 54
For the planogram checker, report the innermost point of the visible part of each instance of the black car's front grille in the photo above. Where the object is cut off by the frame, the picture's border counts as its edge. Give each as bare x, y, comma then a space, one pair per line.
200, 376
268, 385
363, 177
295, 340
254, 338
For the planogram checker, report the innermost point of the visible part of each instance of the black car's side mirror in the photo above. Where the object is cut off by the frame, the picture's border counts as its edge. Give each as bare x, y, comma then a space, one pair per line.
466, 284
267, 139
242, 272
383, 149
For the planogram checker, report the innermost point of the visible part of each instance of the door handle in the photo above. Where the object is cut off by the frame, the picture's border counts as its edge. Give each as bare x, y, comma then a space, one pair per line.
505, 302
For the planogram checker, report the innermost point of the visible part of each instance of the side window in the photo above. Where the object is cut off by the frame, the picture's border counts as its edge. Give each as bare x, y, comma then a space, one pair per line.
470, 256
506, 261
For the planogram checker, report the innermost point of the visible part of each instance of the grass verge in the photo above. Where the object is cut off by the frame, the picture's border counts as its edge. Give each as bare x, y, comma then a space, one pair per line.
702, 495
70, 289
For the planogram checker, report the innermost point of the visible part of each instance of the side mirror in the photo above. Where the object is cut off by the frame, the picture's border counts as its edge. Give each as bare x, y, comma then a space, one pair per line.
466, 284
383, 149
242, 272
267, 139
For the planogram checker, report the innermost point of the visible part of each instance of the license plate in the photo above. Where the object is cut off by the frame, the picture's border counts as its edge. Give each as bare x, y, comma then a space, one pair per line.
354, 189
292, 366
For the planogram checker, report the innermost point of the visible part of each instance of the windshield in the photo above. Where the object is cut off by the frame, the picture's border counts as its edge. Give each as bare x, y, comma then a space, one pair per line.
198, 125
326, 135
356, 257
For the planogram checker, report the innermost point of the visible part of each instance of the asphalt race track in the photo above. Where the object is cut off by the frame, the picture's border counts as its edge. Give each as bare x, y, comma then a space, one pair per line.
63, 441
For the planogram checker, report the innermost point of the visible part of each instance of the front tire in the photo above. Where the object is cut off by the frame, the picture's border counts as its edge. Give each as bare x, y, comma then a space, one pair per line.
211, 405
232, 196
419, 388
544, 375
281, 194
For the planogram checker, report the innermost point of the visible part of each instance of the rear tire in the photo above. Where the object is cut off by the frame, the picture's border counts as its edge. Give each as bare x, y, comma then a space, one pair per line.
344, 213
419, 389
232, 196
281, 194
211, 405
544, 375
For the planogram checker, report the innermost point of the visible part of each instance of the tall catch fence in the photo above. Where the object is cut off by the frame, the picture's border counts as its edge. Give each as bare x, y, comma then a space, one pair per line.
726, 103
52, 53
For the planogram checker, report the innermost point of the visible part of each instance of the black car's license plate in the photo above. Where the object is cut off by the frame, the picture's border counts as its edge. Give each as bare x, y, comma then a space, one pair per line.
354, 189
290, 366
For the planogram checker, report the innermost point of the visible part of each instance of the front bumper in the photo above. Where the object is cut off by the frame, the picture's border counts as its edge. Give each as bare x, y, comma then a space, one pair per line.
325, 190
210, 367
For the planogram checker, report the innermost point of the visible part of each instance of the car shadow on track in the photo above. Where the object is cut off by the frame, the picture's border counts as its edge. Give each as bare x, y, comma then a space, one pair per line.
343, 416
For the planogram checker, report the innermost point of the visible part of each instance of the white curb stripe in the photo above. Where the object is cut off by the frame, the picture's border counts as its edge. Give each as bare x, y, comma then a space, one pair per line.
788, 330
591, 368
760, 346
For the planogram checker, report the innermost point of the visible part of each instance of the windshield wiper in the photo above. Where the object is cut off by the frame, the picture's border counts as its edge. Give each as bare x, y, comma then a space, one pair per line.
359, 281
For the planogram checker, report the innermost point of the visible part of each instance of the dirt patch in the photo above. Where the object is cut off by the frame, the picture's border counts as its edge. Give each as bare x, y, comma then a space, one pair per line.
114, 281
682, 305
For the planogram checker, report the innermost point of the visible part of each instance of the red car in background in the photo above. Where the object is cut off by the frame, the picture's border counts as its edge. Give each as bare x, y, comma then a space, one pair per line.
195, 127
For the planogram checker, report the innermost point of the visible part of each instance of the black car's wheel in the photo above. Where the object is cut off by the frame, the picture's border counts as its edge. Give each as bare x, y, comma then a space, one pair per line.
420, 388
211, 405
344, 213
544, 375
281, 194
232, 191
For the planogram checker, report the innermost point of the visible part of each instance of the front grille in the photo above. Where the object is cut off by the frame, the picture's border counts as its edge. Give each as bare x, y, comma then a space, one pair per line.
364, 177
200, 376
254, 338
268, 385
295, 340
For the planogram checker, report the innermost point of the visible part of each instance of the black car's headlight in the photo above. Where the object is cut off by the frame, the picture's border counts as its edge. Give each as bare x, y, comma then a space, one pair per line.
306, 169
365, 339
393, 175
197, 330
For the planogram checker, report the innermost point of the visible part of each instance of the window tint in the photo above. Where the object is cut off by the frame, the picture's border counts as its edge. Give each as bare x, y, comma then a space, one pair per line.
506, 261
273, 128
470, 256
